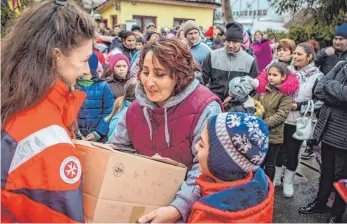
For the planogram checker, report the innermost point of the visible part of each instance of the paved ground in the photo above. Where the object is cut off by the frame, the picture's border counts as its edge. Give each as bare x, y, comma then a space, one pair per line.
306, 185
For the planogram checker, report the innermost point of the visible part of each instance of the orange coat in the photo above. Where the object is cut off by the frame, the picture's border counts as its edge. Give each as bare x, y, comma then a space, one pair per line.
40, 168
204, 213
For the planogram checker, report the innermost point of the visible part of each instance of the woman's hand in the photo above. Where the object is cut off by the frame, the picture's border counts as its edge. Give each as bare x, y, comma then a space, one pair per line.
168, 214
91, 137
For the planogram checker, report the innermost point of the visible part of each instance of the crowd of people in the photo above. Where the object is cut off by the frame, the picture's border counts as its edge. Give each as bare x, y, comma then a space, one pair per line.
234, 107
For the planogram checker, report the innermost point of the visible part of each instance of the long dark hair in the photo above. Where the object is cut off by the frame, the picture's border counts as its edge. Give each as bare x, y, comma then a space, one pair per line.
28, 66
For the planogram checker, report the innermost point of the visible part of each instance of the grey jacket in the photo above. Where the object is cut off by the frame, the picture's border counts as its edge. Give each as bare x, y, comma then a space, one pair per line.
307, 78
219, 68
189, 192
332, 123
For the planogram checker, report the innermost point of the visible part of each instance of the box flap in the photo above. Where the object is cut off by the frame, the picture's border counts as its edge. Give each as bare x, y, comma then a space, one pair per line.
113, 148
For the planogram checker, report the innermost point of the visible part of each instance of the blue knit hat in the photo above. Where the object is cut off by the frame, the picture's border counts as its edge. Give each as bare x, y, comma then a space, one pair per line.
238, 144
341, 31
93, 63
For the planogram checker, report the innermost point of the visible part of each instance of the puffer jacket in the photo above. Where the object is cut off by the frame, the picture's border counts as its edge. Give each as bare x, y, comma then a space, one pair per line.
332, 122
326, 63
277, 103
96, 107
250, 200
308, 77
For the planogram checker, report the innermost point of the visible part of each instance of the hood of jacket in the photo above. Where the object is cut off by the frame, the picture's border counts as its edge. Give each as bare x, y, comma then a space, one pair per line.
289, 86
147, 105
236, 195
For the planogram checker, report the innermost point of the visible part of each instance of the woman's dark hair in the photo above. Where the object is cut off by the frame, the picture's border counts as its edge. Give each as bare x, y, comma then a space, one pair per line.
282, 68
127, 34
176, 58
309, 49
150, 35
28, 66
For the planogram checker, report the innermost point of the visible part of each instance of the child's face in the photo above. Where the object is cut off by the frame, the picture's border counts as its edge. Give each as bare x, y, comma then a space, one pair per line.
138, 46
121, 69
203, 148
274, 77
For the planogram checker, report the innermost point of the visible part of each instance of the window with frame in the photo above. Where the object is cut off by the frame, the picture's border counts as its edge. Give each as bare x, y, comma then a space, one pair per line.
255, 12
142, 21
246, 13
250, 13
114, 21
264, 12
179, 21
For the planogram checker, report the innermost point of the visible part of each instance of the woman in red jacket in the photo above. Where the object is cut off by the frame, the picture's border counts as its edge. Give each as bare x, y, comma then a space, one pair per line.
47, 50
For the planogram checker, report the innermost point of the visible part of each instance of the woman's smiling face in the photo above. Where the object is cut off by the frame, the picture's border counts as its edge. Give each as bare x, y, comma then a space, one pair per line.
158, 84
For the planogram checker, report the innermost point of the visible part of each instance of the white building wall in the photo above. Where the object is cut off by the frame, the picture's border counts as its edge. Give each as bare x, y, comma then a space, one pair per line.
266, 19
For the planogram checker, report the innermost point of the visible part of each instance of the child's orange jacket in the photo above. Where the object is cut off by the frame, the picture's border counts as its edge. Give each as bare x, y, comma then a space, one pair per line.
248, 200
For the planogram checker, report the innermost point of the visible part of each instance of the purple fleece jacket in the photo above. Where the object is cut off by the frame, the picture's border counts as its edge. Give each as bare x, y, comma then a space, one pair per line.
263, 53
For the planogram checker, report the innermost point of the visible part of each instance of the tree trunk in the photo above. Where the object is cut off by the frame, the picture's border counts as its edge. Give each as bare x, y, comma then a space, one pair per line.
226, 9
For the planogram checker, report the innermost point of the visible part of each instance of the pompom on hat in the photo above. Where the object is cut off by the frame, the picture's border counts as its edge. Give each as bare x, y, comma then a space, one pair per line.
240, 87
210, 32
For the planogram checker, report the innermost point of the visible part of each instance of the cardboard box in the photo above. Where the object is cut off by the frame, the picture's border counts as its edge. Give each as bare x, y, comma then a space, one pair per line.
121, 187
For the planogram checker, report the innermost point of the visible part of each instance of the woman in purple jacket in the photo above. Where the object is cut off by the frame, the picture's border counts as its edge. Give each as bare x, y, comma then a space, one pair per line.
167, 117
262, 50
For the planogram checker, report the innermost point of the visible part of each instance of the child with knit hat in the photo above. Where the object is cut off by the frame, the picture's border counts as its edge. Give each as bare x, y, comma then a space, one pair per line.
233, 187
116, 74
209, 36
97, 106
239, 99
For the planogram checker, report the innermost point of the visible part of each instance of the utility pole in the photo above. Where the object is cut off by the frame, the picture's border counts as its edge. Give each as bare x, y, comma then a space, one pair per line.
226, 9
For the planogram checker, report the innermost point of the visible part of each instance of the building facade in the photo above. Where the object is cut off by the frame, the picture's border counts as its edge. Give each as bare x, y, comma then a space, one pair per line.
163, 13
258, 15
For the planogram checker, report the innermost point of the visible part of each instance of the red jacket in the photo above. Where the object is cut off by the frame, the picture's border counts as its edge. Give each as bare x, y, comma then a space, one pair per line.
213, 207
181, 120
40, 168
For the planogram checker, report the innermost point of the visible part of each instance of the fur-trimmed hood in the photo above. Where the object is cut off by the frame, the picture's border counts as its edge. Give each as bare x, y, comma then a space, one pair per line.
289, 86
